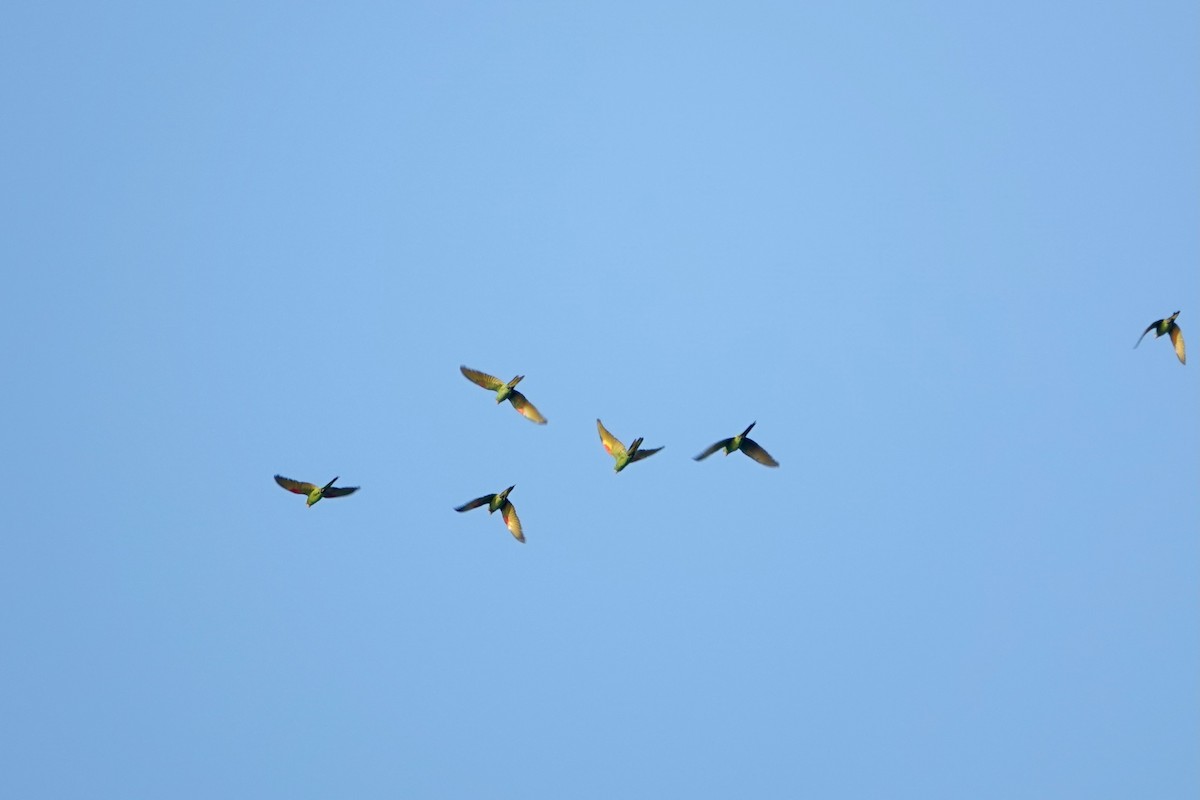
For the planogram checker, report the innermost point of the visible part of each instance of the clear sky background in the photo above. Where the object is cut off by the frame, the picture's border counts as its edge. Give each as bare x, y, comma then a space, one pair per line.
915, 241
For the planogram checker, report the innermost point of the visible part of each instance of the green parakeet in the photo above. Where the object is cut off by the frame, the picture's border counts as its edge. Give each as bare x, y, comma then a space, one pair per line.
624, 457
315, 493
746, 445
1165, 326
505, 391
499, 502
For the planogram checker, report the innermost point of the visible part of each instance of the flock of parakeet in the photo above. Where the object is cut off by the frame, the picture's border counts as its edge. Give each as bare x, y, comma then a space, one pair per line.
622, 455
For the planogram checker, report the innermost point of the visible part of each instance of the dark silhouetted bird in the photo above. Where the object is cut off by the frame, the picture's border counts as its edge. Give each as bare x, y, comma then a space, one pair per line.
746, 445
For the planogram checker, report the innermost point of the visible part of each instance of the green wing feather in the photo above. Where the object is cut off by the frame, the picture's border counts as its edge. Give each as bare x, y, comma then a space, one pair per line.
481, 378
752, 449
611, 443
1177, 340
721, 445
476, 503
644, 453
512, 521
298, 487
526, 408
1151, 327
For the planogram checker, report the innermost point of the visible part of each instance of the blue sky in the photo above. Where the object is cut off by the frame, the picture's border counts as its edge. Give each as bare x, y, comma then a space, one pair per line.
915, 241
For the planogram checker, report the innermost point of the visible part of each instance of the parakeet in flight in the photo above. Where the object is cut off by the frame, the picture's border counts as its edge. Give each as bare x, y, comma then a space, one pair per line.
746, 445
1165, 326
314, 492
617, 450
505, 391
499, 502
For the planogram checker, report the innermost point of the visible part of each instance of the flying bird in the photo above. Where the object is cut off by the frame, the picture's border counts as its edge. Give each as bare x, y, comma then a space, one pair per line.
505, 391
743, 443
499, 502
1164, 326
314, 492
617, 450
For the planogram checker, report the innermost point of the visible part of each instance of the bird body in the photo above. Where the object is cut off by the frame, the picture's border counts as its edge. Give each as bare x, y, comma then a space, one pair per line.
314, 492
499, 502
1162, 327
744, 443
505, 391
623, 456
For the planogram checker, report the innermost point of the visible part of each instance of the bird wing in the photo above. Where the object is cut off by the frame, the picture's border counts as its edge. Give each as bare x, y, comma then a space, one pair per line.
526, 408
721, 445
752, 449
640, 454
339, 491
1151, 327
481, 378
611, 443
1177, 340
298, 487
512, 521
476, 503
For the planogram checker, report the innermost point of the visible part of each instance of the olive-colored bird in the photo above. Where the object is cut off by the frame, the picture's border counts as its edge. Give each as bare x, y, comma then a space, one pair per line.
617, 450
505, 391
314, 492
499, 502
743, 443
1164, 326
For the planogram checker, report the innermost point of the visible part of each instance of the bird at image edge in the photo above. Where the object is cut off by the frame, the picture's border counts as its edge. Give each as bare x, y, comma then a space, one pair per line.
1165, 326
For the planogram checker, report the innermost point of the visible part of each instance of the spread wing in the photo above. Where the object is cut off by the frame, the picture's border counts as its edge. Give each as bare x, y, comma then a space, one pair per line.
640, 454
1151, 327
611, 443
1177, 340
476, 503
721, 445
481, 378
339, 491
752, 449
526, 408
298, 487
512, 521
